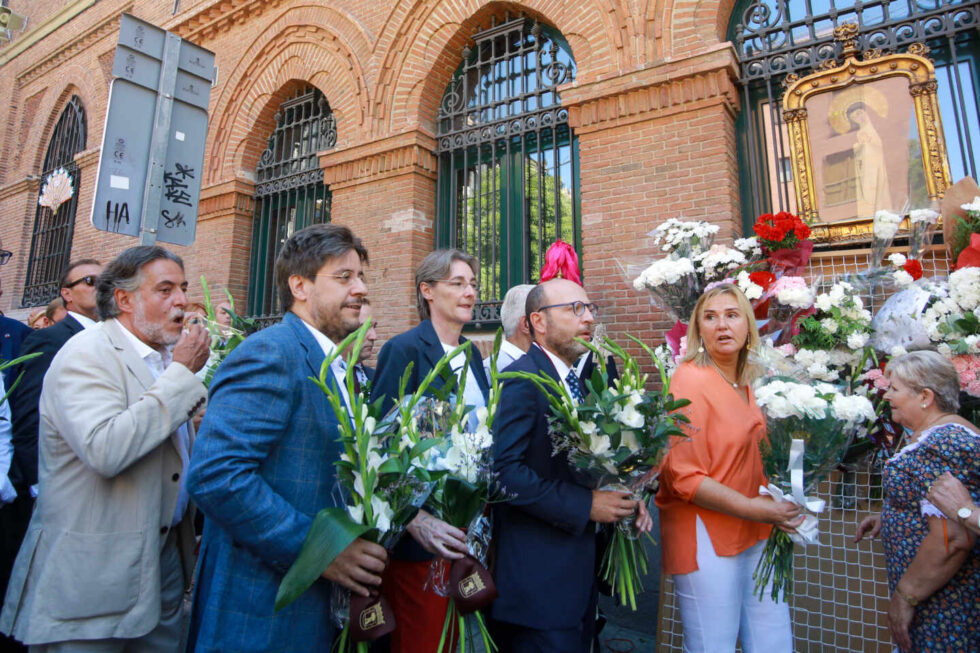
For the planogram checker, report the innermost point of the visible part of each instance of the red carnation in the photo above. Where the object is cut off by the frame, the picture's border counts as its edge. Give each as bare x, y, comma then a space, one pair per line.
914, 268
762, 278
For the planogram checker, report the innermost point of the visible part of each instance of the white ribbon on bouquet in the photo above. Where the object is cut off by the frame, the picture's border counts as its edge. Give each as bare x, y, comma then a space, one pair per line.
808, 531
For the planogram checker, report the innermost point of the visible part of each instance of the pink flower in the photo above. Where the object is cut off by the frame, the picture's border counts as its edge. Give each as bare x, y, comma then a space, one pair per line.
787, 349
968, 367
877, 377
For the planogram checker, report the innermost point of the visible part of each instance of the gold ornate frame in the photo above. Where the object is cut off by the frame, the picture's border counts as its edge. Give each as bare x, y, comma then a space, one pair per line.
872, 65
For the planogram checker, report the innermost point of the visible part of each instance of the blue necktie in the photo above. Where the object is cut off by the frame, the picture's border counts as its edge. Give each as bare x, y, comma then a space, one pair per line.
575, 386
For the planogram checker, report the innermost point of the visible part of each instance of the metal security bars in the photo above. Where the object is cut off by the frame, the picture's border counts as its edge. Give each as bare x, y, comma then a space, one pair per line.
52, 234
776, 37
289, 191
508, 162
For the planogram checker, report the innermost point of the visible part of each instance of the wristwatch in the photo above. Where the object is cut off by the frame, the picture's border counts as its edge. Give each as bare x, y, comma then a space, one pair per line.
965, 512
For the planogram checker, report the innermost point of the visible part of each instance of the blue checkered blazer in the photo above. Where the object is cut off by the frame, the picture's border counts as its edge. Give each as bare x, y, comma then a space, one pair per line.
263, 465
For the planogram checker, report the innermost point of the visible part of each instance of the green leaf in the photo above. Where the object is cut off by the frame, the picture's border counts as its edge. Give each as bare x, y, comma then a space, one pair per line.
332, 531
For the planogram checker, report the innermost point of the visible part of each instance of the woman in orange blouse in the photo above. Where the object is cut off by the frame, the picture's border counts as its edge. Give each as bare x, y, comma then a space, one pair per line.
713, 523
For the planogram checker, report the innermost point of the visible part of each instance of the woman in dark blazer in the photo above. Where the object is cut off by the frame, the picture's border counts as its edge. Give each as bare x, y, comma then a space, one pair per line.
445, 286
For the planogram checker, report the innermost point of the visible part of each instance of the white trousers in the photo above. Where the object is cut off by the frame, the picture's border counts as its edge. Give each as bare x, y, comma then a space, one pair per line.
718, 607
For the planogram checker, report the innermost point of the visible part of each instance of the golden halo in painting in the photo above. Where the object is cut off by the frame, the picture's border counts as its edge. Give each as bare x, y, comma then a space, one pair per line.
843, 101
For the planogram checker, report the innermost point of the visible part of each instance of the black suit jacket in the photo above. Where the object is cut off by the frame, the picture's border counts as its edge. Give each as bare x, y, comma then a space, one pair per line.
544, 538
421, 347
25, 398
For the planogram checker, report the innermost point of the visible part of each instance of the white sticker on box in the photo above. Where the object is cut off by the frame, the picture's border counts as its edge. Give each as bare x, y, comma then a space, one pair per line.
117, 181
180, 136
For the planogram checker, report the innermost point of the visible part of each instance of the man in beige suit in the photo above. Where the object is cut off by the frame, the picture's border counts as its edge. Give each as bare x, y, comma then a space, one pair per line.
109, 549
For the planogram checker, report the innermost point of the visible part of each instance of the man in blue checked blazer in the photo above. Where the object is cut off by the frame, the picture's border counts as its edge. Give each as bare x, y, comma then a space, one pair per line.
263, 464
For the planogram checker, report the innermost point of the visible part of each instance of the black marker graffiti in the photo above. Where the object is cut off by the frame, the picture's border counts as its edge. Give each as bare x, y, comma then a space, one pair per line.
115, 215
173, 222
176, 184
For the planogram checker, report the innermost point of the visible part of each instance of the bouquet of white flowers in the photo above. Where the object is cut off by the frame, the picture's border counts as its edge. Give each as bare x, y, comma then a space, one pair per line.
384, 477
922, 222
833, 344
224, 339
617, 435
810, 426
684, 239
884, 227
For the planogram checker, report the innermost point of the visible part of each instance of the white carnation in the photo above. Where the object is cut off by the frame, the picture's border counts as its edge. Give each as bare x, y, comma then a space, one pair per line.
902, 278
923, 215
829, 325
972, 206
857, 340
897, 259
666, 271
886, 224
853, 408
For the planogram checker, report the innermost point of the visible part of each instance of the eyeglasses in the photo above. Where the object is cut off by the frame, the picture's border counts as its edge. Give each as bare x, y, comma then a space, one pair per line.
88, 280
344, 277
577, 307
5, 255
460, 286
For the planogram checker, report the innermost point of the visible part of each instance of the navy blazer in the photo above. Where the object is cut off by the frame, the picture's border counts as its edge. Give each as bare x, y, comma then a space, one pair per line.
262, 467
26, 397
545, 541
420, 346
12, 334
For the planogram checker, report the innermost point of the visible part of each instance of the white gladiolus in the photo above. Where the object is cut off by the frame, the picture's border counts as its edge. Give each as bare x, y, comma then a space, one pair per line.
356, 513
383, 514
599, 444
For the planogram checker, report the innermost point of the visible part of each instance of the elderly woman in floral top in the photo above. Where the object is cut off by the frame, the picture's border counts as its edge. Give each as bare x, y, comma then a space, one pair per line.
933, 563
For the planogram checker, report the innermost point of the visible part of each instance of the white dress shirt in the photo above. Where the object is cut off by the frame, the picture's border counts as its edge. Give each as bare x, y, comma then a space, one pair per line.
560, 366
509, 352
472, 394
338, 367
84, 320
157, 362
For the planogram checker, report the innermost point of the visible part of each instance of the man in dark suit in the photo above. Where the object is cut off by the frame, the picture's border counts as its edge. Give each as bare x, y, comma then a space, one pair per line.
545, 533
263, 463
78, 294
364, 374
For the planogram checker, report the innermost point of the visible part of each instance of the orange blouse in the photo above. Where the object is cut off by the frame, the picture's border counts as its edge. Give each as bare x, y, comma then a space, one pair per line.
724, 444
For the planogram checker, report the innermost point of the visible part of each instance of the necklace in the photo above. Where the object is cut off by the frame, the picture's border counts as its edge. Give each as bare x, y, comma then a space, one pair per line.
934, 422
734, 385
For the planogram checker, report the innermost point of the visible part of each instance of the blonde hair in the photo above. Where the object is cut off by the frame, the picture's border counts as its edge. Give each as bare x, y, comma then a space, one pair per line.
743, 371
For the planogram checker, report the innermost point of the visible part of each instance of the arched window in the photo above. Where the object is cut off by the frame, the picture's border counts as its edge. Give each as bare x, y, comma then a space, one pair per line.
508, 161
289, 190
53, 227
776, 37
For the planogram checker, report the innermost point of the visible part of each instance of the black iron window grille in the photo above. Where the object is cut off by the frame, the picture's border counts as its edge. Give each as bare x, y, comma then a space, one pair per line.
53, 229
776, 37
508, 161
289, 191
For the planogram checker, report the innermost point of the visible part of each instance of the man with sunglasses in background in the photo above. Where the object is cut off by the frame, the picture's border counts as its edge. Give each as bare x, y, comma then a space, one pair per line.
78, 294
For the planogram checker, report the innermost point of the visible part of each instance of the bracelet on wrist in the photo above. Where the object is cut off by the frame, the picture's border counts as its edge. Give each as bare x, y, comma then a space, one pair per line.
908, 598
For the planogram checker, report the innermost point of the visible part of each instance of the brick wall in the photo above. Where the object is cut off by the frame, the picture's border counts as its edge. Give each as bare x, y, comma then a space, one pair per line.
653, 107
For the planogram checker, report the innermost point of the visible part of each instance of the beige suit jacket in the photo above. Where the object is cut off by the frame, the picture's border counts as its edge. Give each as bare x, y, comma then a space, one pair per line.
109, 471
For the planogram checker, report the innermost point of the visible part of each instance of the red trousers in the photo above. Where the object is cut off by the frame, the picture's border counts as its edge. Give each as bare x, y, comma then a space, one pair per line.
419, 615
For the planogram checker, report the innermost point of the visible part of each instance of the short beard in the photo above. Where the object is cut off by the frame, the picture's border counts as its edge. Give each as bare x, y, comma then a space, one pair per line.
153, 331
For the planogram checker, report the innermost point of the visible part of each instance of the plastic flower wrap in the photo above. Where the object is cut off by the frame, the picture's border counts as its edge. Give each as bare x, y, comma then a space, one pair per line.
790, 297
462, 492
785, 240
884, 226
810, 426
673, 283
617, 436
833, 344
224, 339
383, 478
905, 271
922, 222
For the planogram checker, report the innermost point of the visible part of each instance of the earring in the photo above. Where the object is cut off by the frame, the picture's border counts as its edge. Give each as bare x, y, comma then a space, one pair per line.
923, 405
701, 347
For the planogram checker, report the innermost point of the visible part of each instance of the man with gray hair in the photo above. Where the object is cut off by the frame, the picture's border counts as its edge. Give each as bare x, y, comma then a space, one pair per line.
109, 549
517, 336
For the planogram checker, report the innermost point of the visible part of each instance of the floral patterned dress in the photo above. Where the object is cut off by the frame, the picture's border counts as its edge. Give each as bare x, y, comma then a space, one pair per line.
949, 620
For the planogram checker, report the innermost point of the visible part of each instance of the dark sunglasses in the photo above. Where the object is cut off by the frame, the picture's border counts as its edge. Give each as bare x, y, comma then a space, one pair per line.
5, 255
88, 280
